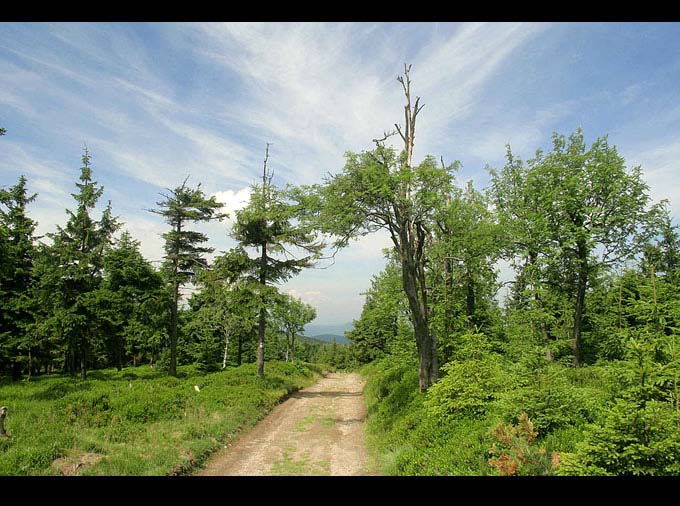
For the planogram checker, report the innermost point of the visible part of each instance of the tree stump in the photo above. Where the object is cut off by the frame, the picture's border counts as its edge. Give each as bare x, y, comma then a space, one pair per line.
3, 414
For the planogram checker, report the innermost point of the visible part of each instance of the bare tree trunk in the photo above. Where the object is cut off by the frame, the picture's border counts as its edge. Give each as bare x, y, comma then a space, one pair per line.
427, 346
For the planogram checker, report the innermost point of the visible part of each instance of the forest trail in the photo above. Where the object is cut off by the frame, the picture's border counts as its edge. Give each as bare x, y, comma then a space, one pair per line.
317, 431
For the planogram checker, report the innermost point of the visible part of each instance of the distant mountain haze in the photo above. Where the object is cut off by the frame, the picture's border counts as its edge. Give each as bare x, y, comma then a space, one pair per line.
315, 329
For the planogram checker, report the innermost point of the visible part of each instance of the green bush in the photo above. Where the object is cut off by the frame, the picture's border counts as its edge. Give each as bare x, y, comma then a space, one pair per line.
551, 402
468, 387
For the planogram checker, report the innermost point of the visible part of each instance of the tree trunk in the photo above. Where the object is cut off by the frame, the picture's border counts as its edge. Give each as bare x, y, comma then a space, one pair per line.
539, 305
173, 330
226, 349
119, 353
72, 359
260, 343
292, 348
83, 370
427, 346
263, 312
448, 293
580, 301
239, 350
470, 301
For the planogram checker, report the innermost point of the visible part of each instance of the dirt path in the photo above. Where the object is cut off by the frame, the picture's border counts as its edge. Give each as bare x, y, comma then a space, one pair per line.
317, 431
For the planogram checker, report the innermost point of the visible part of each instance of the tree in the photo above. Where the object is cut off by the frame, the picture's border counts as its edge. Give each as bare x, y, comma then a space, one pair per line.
226, 306
381, 189
384, 317
463, 255
270, 223
16, 276
183, 253
589, 212
129, 300
292, 315
517, 192
76, 270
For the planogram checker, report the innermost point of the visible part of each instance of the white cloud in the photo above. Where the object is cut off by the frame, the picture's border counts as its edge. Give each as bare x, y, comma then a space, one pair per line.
233, 200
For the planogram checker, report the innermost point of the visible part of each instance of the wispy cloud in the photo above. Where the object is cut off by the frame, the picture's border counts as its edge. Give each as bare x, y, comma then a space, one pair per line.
157, 102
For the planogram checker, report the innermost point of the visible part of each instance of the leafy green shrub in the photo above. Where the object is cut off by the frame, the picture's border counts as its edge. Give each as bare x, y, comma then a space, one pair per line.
551, 402
468, 387
641, 430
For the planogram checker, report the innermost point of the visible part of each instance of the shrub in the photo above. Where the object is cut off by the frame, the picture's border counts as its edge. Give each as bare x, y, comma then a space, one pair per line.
517, 453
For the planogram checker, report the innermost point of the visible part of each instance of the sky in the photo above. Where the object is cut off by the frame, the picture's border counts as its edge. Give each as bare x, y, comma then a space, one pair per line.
157, 102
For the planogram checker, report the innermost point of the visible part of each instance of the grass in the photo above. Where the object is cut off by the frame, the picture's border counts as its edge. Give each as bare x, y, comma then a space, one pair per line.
137, 421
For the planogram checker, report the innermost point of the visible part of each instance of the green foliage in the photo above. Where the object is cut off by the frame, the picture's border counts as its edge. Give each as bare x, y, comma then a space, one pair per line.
71, 270
183, 250
471, 381
274, 223
407, 438
640, 434
551, 401
383, 326
16, 276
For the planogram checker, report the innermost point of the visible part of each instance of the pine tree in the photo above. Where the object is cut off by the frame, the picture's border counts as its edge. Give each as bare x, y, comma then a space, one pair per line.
268, 223
77, 263
16, 246
128, 301
183, 253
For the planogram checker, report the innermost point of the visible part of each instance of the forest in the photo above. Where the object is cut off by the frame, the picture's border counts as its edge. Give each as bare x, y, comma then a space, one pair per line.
570, 368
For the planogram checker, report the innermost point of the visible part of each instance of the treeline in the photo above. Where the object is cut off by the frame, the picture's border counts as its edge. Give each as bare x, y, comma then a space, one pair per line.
84, 297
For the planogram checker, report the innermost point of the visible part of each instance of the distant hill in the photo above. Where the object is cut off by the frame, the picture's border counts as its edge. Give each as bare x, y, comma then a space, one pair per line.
329, 338
336, 329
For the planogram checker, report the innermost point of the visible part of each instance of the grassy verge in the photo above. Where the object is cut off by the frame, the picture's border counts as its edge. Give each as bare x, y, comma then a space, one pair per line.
405, 436
137, 422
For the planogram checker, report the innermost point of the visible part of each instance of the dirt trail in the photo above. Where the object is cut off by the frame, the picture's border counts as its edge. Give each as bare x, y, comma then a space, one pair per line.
317, 431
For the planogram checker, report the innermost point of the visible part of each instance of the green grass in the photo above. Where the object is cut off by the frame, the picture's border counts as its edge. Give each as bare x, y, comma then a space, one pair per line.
137, 421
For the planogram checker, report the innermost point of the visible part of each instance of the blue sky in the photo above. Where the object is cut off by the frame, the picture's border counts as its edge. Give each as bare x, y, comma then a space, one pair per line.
155, 102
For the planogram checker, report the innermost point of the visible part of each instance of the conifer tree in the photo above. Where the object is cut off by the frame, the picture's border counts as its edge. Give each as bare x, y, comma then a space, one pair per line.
269, 223
183, 250
17, 250
77, 268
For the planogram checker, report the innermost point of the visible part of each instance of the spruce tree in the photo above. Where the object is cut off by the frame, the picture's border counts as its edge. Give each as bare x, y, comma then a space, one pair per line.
77, 262
269, 223
17, 250
183, 250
